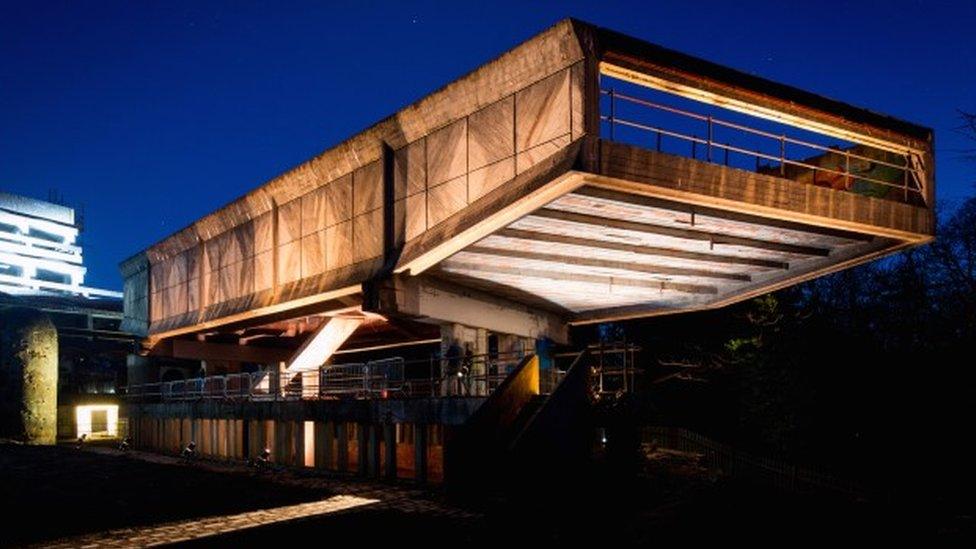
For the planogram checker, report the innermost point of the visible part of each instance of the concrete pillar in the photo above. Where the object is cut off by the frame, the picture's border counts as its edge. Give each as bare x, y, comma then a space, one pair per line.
281, 439
29, 371
390, 450
373, 451
342, 447
466, 337
298, 441
362, 438
420, 452
324, 439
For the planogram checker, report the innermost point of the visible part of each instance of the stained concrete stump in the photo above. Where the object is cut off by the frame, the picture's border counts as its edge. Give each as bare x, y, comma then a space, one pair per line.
28, 377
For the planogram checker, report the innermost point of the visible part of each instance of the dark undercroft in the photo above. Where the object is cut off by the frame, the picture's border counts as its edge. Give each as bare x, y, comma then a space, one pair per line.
52, 492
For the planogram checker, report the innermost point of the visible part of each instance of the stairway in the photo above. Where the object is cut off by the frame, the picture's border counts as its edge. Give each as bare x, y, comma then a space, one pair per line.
522, 420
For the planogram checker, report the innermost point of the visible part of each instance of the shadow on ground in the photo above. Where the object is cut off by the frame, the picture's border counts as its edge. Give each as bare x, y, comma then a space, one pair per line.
50, 493
54, 492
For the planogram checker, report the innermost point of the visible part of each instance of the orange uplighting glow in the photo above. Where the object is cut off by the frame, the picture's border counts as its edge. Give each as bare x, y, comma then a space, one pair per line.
309, 444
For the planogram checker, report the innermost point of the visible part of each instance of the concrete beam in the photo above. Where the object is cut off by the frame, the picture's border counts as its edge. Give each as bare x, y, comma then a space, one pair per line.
687, 234
562, 259
199, 350
675, 253
432, 300
609, 281
323, 343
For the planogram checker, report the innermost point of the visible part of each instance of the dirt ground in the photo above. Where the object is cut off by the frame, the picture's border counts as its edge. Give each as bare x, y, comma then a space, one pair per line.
55, 493
49, 492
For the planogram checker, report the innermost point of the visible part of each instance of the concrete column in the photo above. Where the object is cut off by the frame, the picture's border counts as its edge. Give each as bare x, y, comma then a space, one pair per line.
373, 453
362, 437
323, 445
390, 450
247, 438
466, 337
280, 441
298, 442
254, 437
195, 432
29, 368
420, 452
342, 447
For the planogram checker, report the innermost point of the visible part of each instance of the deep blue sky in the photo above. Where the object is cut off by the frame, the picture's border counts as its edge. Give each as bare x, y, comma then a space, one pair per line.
151, 114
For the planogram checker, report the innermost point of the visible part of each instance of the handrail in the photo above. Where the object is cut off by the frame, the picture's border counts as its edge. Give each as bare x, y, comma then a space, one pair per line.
378, 378
911, 169
735, 462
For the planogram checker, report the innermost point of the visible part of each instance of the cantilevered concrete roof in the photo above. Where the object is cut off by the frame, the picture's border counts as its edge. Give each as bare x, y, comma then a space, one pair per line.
508, 185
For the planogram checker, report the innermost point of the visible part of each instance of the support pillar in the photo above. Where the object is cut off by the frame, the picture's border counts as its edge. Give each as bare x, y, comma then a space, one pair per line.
362, 439
342, 447
29, 367
323, 445
390, 450
420, 452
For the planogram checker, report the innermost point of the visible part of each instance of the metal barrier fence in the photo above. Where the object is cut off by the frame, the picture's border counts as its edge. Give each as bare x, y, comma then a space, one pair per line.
758, 469
858, 168
472, 375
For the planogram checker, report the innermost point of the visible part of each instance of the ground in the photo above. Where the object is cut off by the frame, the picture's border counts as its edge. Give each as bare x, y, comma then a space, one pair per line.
68, 497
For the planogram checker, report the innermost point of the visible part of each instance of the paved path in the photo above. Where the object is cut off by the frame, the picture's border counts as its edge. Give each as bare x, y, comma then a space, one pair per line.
351, 494
187, 530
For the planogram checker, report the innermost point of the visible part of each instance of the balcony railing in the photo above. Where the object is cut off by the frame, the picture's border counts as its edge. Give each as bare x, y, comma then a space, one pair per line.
856, 168
473, 375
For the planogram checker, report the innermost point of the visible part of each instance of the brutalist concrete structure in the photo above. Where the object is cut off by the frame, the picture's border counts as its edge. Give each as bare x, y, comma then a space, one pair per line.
583, 176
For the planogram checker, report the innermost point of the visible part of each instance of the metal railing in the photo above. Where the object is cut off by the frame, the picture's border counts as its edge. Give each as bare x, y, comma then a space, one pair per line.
472, 375
613, 367
850, 168
733, 462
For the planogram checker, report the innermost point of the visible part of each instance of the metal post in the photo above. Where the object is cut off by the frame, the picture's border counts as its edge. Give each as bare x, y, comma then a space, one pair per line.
601, 366
905, 178
708, 155
782, 155
847, 170
613, 109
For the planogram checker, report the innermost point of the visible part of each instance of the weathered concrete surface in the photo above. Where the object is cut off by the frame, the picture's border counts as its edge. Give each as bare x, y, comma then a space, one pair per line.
28, 377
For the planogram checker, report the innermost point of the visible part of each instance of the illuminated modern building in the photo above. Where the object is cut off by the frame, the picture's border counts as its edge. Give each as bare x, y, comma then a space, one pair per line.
582, 177
41, 267
39, 250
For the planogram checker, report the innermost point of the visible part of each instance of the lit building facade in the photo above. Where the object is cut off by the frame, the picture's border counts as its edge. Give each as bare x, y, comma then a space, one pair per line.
39, 249
42, 268
582, 177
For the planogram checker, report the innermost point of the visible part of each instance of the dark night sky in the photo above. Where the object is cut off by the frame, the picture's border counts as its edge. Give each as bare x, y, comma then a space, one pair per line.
151, 114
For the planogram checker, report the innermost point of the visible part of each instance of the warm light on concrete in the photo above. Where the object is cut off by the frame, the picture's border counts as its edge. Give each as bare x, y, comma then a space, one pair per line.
323, 343
309, 436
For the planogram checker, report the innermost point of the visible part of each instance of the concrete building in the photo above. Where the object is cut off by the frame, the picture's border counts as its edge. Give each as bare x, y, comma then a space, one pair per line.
39, 250
41, 268
584, 176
